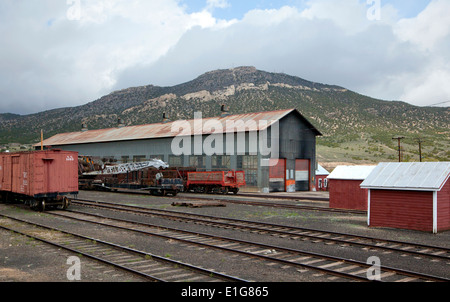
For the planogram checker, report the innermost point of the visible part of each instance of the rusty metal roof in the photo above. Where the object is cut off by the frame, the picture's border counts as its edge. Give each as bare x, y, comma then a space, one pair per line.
228, 124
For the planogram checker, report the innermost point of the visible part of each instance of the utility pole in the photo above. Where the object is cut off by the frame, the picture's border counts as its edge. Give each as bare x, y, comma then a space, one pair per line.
399, 138
42, 139
420, 141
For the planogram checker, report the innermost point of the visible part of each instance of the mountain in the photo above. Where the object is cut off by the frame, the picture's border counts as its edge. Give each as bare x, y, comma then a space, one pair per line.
356, 128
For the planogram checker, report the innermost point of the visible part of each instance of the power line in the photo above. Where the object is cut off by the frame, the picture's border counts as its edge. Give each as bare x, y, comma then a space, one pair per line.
440, 103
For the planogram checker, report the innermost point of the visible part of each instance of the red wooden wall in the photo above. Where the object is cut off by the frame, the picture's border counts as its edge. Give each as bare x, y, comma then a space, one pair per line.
401, 209
346, 194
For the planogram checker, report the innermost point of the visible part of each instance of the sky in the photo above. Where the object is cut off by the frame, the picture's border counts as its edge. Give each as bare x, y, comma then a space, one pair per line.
65, 53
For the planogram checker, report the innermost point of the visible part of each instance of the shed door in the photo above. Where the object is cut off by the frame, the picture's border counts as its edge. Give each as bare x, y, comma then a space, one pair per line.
15, 174
277, 174
6, 174
302, 175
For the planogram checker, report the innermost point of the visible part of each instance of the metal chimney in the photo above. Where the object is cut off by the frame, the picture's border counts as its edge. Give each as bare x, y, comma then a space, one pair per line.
165, 118
224, 110
84, 127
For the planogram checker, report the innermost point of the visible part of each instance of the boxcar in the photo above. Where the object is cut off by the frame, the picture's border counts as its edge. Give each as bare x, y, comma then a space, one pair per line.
41, 179
215, 181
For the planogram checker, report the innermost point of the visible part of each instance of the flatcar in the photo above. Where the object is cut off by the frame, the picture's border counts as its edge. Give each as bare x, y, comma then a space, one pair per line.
40, 179
220, 182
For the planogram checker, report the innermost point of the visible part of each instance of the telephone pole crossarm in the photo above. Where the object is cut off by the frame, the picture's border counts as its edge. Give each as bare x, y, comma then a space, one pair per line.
399, 138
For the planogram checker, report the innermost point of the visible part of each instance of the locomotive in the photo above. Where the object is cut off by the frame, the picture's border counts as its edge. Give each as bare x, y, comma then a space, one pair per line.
40, 179
220, 182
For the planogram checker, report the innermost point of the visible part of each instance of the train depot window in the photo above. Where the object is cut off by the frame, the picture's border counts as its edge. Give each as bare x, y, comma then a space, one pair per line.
197, 161
249, 164
220, 162
138, 158
175, 161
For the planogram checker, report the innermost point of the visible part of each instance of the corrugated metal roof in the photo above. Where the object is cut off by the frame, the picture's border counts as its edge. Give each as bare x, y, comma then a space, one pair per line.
351, 172
430, 176
251, 122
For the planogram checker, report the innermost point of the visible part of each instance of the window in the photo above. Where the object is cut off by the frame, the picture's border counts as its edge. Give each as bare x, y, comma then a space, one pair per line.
175, 161
249, 164
220, 162
138, 158
197, 161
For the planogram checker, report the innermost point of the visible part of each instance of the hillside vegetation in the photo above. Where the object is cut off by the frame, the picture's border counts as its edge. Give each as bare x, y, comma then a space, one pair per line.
356, 128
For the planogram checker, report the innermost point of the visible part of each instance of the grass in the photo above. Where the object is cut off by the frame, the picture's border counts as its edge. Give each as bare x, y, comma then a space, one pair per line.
363, 151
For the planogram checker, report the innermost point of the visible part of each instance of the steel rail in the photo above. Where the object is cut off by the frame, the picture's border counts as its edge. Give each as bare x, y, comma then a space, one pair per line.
260, 245
256, 203
119, 247
272, 228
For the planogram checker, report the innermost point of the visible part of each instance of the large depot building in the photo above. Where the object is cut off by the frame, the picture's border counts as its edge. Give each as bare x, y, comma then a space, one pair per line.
276, 149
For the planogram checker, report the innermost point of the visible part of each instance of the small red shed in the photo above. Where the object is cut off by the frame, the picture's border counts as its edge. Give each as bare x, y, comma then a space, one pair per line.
344, 187
413, 196
321, 178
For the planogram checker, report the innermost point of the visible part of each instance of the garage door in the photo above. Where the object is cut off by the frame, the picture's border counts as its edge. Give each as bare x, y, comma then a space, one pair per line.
302, 175
277, 175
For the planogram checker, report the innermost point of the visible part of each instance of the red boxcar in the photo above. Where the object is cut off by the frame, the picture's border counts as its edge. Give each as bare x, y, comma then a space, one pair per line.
39, 178
215, 181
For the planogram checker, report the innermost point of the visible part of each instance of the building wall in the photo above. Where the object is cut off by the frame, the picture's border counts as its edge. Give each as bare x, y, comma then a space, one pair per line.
411, 210
347, 194
443, 207
321, 183
295, 139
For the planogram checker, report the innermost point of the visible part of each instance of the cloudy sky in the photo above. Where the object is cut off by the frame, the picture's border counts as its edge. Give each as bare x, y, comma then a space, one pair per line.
58, 53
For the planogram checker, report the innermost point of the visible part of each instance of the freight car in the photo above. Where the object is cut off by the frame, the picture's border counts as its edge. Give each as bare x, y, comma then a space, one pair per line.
152, 176
40, 179
156, 177
220, 182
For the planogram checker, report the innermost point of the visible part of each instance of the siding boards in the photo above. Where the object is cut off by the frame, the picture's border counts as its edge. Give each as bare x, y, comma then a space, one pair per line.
443, 208
347, 194
401, 209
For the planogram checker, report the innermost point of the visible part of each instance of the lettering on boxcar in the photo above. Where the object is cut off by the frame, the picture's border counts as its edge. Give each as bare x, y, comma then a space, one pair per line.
25, 180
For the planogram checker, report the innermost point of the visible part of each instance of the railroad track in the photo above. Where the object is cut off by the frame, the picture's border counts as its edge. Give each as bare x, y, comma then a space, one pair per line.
151, 267
259, 203
289, 206
339, 267
296, 233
